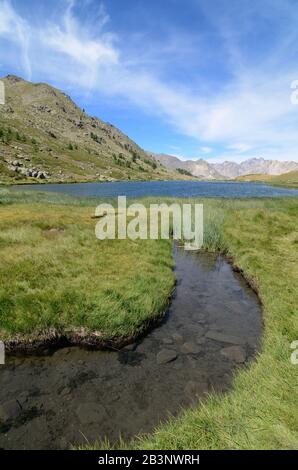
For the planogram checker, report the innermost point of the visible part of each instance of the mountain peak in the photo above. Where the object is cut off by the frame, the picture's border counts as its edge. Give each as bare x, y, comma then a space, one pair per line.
43, 132
13, 78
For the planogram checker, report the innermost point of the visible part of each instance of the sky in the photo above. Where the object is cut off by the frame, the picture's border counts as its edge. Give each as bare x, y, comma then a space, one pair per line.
195, 78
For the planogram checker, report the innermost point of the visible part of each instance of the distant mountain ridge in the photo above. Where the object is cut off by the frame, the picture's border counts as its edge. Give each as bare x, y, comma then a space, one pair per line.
198, 168
256, 166
227, 170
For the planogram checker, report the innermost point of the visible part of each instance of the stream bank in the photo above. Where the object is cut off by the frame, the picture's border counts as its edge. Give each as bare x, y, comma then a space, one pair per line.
74, 396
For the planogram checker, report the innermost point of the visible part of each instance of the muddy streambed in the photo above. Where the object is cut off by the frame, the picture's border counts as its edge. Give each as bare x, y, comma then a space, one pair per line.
74, 396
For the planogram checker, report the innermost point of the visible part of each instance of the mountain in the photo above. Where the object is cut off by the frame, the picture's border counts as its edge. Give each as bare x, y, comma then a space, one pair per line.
45, 135
255, 166
227, 170
198, 168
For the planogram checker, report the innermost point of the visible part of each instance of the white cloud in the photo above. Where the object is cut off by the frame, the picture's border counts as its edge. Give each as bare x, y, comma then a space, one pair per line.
205, 150
239, 147
15, 29
251, 114
70, 39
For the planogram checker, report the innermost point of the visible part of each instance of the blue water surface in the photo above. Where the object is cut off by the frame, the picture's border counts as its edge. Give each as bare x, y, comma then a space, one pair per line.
166, 188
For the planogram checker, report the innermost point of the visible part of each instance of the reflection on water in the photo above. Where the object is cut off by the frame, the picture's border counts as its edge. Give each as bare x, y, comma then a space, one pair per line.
212, 327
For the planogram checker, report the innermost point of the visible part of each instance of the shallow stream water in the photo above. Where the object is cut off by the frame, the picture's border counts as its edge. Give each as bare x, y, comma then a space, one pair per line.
74, 396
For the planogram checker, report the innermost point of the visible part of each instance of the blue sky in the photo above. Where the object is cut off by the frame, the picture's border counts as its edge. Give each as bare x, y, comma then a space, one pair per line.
193, 78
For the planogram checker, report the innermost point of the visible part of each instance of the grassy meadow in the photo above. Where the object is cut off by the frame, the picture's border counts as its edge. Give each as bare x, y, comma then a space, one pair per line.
56, 274
261, 411
287, 180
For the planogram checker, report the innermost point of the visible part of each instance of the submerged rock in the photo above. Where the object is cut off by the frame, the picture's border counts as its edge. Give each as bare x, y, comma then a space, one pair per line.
167, 341
23, 398
234, 353
190, 348
201, 340
193, 389
9, 410
165, 356
177, 337
65, 391
224, 338
91, 413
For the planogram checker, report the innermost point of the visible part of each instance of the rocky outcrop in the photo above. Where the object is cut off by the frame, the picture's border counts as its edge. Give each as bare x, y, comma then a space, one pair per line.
31, 172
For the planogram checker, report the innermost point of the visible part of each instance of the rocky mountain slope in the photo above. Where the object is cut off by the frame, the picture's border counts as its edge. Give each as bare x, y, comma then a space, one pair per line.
227, 170
44, 135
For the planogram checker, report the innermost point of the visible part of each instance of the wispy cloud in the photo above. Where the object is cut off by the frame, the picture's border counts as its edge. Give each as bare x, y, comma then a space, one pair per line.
205, 150
15, 29
70, 39
249, 113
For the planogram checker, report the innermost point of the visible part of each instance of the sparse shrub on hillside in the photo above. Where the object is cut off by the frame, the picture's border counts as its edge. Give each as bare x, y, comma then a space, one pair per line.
135, 156
184, 172
150, 163
7, 135
97, 139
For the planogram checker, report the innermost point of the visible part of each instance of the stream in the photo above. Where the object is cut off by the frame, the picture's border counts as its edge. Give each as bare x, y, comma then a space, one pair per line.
75, 396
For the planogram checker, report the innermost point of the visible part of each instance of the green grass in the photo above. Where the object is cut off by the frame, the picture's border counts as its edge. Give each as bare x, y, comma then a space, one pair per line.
261, 411
55, 273
289, 180
69, 278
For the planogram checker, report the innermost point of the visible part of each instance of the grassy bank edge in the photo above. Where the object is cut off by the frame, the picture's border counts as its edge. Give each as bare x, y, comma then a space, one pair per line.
23, 214
53, 339
261, 410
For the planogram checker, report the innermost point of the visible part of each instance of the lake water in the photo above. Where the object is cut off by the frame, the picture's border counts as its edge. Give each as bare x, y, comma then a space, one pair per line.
166, 188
